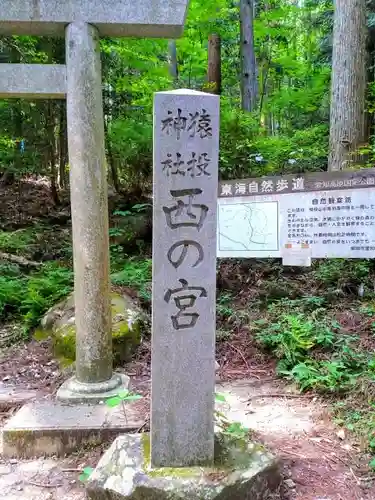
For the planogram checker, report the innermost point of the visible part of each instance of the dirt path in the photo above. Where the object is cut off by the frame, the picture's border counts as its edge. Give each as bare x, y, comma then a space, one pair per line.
318, 465
38, 480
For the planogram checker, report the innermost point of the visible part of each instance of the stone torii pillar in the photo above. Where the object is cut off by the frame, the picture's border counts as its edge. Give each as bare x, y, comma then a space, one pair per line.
83, 22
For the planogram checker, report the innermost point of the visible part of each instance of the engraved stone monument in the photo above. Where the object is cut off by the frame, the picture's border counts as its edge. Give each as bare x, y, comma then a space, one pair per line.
182, 457
186, 146
83, 22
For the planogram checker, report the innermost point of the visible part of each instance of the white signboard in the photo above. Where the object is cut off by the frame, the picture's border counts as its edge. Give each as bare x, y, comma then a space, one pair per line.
298, 226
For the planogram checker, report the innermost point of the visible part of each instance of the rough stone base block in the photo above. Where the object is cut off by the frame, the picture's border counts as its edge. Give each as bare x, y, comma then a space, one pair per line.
51, 428
242, 471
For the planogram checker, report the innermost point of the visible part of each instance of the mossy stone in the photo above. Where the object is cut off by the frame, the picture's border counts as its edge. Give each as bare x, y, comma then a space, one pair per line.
127, 323
242, 470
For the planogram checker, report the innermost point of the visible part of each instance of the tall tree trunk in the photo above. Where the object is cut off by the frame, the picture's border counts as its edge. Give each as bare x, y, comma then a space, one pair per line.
173, 62
347, 120
249, 86
214, 64
370, 78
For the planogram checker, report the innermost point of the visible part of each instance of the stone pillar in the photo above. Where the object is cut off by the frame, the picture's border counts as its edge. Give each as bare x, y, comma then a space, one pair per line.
89, 205
186, 145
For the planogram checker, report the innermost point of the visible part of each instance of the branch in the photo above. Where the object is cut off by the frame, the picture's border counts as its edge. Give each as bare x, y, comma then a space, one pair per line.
19, 260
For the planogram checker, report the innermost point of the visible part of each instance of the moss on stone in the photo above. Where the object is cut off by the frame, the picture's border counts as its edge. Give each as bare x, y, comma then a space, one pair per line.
41, 334
182, 472
64, 342
126, 330
230, 454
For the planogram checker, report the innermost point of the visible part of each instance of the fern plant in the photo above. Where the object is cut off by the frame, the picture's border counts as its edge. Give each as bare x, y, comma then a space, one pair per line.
293, 336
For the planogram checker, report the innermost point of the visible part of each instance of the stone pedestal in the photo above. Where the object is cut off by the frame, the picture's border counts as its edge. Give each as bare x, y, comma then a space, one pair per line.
242, 471
89, 200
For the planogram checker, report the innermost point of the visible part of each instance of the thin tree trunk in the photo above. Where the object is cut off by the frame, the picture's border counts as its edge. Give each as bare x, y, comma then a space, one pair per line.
347, 119
264, 76
18, 126
173, 62
111, 161
51, 130
63, 146
249, 86
214, 64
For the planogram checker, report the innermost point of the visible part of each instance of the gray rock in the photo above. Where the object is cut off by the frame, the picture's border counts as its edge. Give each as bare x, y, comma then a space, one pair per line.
290, 483
127, 230
127, 323
246, 473
5, 469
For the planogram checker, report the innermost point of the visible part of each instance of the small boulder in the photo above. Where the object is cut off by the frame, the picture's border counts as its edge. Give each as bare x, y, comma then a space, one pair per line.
290, 483
128, 321
126, 230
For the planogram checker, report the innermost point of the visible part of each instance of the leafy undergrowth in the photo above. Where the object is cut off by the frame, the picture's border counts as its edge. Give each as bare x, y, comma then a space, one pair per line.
319, 325
27, 297
27, 292
135, 273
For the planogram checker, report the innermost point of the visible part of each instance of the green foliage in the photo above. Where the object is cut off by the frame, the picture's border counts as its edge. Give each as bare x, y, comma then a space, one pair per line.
224, 305
288, 131
233, 430
220, 398
17, 242
293, 336
254, 154
313, 353
304, 304
138, 208
86, 473
9, 270
11, 293
29, 297
43, 290
131, 139
357, 415
337, 272
127, 231
137, 274
122, 397
323, 376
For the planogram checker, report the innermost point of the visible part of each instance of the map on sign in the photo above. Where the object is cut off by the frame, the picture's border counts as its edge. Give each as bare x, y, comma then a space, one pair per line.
248, 227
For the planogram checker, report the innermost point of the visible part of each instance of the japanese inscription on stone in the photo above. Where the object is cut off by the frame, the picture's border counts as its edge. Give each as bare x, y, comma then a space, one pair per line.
325, 214
186, 139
